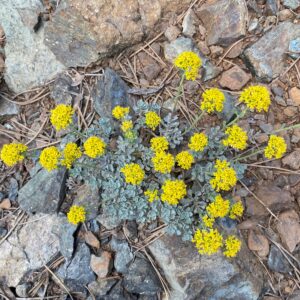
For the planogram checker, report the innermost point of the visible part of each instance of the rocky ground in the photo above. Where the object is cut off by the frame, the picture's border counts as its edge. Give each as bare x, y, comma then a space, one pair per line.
95, 53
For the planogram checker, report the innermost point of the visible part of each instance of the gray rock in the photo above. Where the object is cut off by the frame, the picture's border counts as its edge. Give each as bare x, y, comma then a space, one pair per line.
275, 43
31, 247
277, 262
295, 48
188, 24
224, 20
22, 290
101, 288
44, 192
78, 272
109, 92
13, 189
81, 32
119, 293
7, 109
173, 49
3, 232
141, 278
193, 276
271, 7
292, 4
28, 61
123, 255
62, 90
279, 100
229, 109
88, 198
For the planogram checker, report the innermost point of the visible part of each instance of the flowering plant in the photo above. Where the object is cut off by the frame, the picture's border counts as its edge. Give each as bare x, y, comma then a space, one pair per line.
149, 166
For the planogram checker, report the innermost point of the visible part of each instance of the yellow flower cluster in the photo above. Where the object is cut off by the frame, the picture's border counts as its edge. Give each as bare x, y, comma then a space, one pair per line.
76, 214
94, 147
120, 112
173, 191
185, 160
126, 126
152, 195
236, 210
190, 63
276, 147
163, 162
49, 158
237, 138
219, 208
70, 154
256, 97
213, 100
207, 241
152, 120
133, 173
61, 116
159, 144
198, 142
13, 153
224, 176
232, 246
208, 222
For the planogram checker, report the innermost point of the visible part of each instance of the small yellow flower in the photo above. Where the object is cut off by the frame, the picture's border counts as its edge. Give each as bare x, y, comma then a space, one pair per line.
219, 208
133, 173
159, 144
190, 63
236, 210
49, 158
126, 126
152, 195
70, 154
213, 100
198, 142
173, 191
208, 241
256, 98
61, 116
224, 176
185, 160
237, 138
120, 112
94, 147
208, 222
152, 120
276, 147
232, 246
13, 153
163, 162
76, 214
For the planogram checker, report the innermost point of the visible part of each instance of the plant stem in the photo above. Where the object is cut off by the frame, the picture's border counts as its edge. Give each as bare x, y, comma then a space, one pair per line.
198, 118
249, 155
287, 128
241, 115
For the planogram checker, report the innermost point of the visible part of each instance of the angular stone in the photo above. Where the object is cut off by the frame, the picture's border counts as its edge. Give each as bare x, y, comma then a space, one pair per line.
101, 265
78, 272
292, 4
91, 240
277, 262
8, 109
89, 198
234, 78
101, 288
80, 32
193, 276
275, 43
271, 7
172, 32
225, 20
44, 192
173, 49
289, 229
292, 160
29, 62
109, 92
258, 242
272, 196
150, 67
188, 24
30, 248
294, 47
123, 255
294, 94
141, 278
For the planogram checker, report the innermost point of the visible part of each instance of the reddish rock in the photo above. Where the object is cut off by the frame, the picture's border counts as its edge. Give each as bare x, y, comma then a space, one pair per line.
234, 78
91, 239
258, 242
289, 229
293, 160
5, 204
272, 196
101, 265
294, 94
